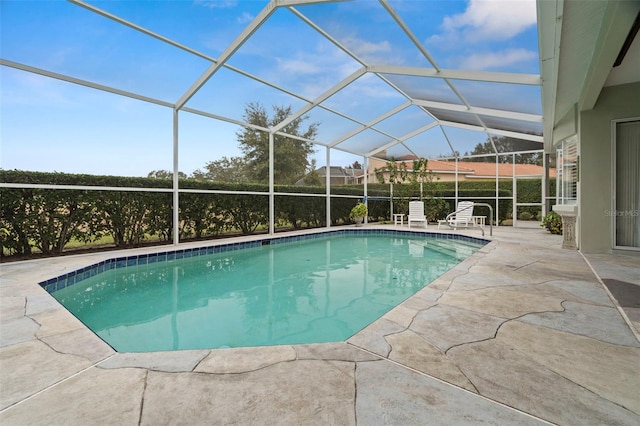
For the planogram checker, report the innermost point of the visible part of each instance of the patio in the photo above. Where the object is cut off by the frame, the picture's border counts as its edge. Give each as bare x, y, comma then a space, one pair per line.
522, 332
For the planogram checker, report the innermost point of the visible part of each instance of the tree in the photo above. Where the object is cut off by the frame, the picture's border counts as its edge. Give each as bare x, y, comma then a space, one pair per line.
291, 156
226, 169
409, 181
313, 178
505, 144
164, 174
356, 165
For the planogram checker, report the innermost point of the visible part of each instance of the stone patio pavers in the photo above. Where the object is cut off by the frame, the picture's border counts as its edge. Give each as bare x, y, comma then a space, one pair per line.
413, 351
56, 322
94, 397
33, 366
402, 315
445, 326
423, 299
17, 330
389, 394
625, 268
12, 307
81, 342
578, 291
502, 373
372, 337
41, 303
626, 293
14, 326
622, 280
303, 392
242, 360
598, 322
338, 351
170, 362
506, 286
501, 302
582, 360
522, 323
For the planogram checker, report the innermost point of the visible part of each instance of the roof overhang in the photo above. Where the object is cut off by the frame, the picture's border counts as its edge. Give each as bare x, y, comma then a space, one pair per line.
579, 42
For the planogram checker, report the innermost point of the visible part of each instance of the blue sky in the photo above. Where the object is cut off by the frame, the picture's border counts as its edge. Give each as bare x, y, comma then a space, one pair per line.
50, 125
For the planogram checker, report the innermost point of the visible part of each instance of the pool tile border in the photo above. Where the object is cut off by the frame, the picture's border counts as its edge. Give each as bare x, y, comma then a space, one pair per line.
73, 277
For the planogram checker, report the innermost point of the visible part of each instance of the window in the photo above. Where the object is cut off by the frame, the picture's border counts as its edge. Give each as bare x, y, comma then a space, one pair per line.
567, 172
627, 184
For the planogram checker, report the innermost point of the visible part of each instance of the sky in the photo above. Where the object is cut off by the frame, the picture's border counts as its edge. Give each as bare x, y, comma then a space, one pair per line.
52, 125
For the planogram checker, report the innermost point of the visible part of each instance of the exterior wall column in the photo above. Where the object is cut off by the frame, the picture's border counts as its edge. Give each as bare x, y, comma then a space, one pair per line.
569, 231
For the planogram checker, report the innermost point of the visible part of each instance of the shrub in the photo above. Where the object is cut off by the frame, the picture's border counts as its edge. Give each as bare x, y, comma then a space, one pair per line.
553, 223
526, 216
359, 210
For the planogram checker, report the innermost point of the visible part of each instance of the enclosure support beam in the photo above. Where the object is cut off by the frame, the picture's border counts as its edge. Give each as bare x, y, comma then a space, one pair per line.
272, 200
327, 181
514, 192
498, 186
455, 204
396, 141
323, 97
176, 182
85, 83
365, 161
485, 76
511, 115
493, 131
253, 26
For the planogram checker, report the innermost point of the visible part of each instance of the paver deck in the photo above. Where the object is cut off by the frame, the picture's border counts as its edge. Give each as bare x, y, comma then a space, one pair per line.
522, 332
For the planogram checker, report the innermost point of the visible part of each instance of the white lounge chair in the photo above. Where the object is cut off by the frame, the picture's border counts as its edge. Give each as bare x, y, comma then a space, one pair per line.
416, 213
463, 216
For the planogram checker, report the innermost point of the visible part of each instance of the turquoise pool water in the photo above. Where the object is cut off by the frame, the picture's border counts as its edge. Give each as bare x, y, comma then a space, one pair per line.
312, 291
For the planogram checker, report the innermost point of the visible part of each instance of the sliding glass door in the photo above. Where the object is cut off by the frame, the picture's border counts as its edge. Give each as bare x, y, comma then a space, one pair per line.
627, 184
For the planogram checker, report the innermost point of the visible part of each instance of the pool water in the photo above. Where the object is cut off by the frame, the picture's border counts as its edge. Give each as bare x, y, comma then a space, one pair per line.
312, 291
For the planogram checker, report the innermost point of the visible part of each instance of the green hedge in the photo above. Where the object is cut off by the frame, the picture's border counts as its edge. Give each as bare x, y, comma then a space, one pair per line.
47, 219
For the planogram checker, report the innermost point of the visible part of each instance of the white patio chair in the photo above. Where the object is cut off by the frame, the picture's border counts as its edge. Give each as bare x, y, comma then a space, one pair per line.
463, 216
416, 213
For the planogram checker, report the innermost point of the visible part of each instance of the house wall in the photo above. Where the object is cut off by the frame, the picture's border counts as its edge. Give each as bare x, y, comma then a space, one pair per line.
596, 173
566, 127
449, 177
443, 177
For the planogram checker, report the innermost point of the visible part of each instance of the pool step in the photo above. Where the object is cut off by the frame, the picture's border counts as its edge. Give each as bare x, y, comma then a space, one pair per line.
460, 250
474, 246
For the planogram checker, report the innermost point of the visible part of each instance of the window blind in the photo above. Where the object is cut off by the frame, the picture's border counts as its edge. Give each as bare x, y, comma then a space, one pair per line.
627, 211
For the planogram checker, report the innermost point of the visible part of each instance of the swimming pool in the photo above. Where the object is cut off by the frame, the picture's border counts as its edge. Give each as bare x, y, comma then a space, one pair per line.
308, 289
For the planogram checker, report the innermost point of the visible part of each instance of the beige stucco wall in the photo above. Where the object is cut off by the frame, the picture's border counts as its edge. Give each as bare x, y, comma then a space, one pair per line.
595, 187
450, 177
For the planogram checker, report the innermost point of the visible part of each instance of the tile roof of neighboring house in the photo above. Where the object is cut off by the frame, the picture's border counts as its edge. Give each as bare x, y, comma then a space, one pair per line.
487, 170
484, 170
448, 166
338, 171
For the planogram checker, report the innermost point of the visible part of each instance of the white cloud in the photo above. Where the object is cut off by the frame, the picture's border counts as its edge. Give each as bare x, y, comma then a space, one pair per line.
21, 88
312, 72
298, 66
216, 4
365, 48
491, 60
381, 52
245, 18
489, 20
